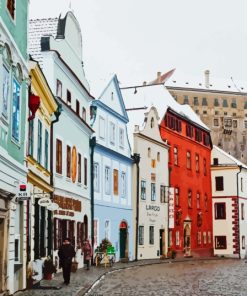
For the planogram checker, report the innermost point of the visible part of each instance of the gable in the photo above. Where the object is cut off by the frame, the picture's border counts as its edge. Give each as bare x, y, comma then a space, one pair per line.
112, 98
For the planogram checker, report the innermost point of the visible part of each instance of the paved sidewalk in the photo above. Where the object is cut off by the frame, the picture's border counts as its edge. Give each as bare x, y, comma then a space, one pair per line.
83, 280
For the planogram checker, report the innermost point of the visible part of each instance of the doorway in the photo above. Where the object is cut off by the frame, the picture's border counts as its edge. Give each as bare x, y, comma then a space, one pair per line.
162, 242
123, 240
187, 239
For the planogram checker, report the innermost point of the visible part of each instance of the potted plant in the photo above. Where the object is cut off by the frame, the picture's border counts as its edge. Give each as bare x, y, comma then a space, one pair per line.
48, 268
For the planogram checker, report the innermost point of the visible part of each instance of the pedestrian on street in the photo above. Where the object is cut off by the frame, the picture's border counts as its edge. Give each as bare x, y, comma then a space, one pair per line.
66, 253
88, 252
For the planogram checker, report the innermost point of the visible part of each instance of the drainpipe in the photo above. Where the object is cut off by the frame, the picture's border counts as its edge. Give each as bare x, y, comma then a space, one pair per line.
240, 169
92, 144
136, 159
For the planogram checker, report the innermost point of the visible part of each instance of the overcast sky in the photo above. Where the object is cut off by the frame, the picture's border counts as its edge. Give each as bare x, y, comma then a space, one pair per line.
137, 38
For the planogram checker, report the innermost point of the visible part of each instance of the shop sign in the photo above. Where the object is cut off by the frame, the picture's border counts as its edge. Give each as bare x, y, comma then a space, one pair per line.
44, 202
171, 207
53, 207
23, 193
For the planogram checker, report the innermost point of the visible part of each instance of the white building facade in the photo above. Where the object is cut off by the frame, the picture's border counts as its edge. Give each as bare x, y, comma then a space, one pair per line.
229, 192
60, 56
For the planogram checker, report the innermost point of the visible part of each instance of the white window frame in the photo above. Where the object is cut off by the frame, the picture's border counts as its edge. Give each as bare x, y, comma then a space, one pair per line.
102, 127
107, 180
123, 184
121, 137
96, 178
112, 132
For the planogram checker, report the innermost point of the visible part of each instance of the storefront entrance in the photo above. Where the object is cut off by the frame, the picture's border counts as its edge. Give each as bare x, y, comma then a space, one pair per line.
123, 240
187, 239
162, 242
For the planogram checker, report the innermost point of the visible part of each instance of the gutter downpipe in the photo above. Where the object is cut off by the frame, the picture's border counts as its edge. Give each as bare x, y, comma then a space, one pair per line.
136, 159
92, 144
240, 169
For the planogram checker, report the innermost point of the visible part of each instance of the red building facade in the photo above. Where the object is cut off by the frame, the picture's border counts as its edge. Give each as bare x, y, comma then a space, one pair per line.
190, 176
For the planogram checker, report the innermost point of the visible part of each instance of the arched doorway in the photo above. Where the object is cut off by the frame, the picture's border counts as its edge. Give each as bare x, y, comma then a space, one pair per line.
187, 239
123, 229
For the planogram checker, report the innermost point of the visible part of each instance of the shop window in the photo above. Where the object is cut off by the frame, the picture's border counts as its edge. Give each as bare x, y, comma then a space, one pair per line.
219, 183
220, 211
220, 242
141, 235
151, 235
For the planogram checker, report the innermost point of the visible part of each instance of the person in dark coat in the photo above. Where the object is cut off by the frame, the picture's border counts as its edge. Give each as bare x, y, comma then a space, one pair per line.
66, 253
88, 252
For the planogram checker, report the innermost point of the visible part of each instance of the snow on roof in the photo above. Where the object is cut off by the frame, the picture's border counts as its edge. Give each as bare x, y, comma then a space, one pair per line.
227, 85
37, 29
153, 96
236, 161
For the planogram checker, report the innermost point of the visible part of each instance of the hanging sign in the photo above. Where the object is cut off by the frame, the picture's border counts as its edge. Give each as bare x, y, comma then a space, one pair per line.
171, 207
23, 193
44, 202
53, 207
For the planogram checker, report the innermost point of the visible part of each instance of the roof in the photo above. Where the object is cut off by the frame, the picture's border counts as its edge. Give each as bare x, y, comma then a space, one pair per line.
231, 158
37, 29
178, 80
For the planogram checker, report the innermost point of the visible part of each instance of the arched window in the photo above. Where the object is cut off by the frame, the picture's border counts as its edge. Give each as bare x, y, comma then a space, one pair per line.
189, 199
198, 201
152, 122
188, 160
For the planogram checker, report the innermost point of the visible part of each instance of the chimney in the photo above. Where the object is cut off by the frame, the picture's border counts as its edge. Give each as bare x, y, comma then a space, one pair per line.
206, 73
158, 77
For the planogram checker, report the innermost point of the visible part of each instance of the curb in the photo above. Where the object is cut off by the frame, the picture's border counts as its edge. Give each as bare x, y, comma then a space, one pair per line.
88, 290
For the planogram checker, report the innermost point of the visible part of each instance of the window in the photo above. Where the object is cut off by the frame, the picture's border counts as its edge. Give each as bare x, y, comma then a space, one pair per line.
79, 168
241, 184
162, 194
204, 237
112, 132
151, 235
199, 238
84, 114
68, 97
219, 183
85, 171
216, 102
141, 235
205, 112
198, 201
77, 107
152, 122
149, 152
216, 112
177, 200
46, 149
30, 138
242, 211
68, 161
197, 163
186, 99
16, 111
158, 156
235, 123
228, 122
153, 163
143, 189
96, 176
59, 89
220, 211
216, 121
215, 161
206, 139
204, 167
175, 151
188, 160
189, 199
153, 192
11, 7
220, 242
177, 238
189, 131
107, 229
204, 102
198, 135
123, 184
225, 103
206, 202
115, 182
6, 88
59, 156
209, 237
102, 127
39, 152
243, 242
121, 137
107, 180
196, 102
234, 104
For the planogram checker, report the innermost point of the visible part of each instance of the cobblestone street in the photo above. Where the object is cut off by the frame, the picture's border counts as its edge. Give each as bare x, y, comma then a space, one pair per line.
204, 278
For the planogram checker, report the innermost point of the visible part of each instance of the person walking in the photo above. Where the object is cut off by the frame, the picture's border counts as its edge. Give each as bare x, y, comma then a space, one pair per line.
88, 252
66, 253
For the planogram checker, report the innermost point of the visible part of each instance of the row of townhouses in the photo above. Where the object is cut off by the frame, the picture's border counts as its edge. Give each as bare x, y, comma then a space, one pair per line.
131, 165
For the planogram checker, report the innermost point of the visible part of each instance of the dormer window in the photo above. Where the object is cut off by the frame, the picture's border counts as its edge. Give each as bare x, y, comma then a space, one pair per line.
152, 122
68, 97
11, 8
59, 89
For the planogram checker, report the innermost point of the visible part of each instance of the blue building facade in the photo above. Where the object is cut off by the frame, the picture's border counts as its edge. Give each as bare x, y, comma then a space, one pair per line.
112, 166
